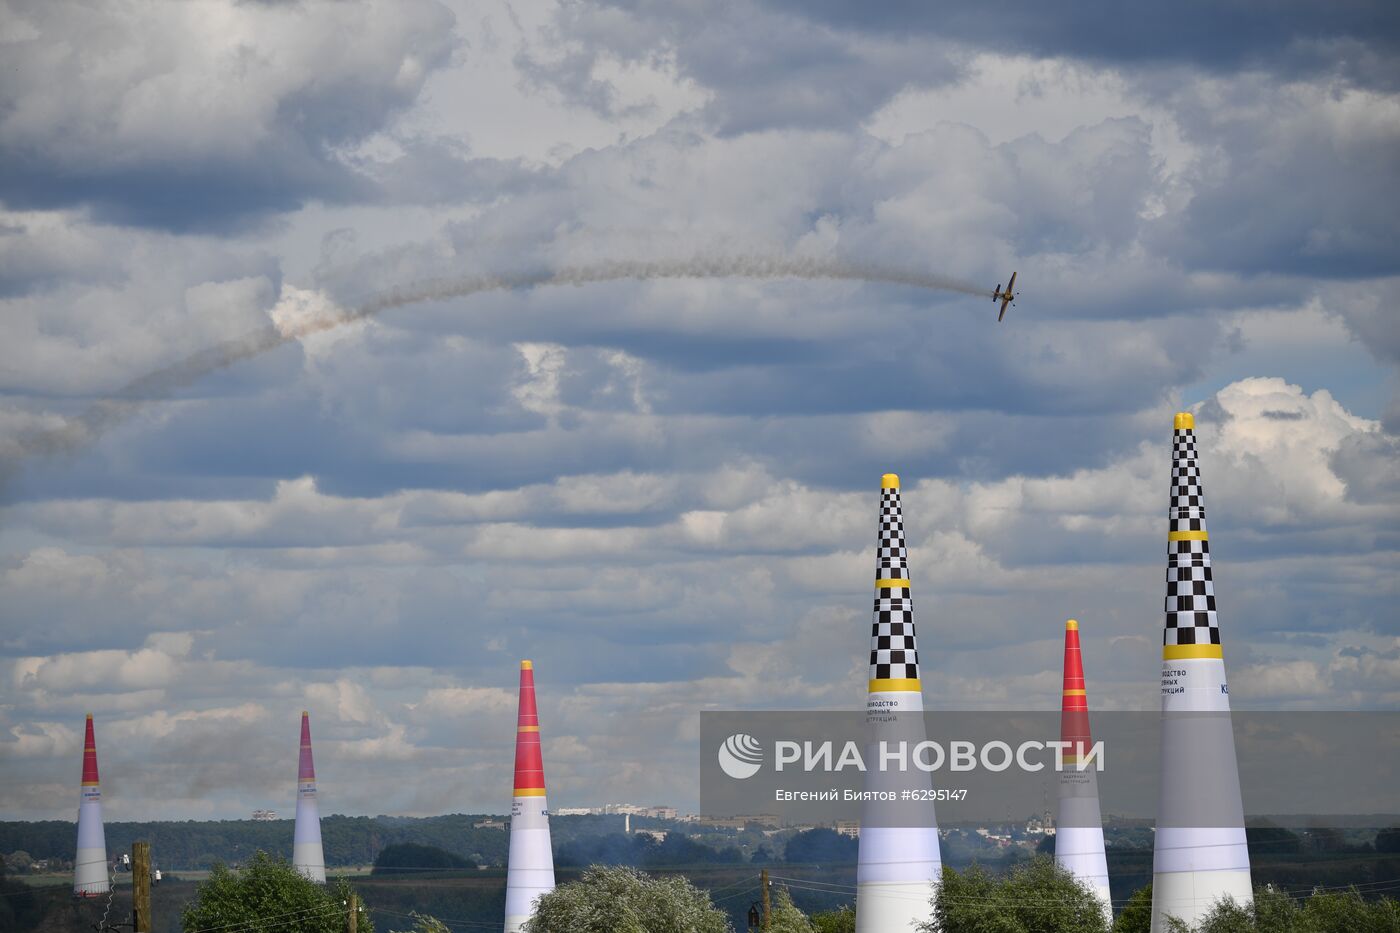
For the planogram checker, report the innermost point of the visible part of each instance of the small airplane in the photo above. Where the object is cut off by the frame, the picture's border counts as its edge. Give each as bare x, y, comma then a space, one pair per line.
1005, 297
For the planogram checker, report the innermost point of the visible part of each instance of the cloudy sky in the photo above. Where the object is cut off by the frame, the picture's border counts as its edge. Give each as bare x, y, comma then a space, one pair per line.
664, 491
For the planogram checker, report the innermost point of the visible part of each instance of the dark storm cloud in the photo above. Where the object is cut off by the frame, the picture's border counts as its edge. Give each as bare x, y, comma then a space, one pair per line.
1359, 37
215, 195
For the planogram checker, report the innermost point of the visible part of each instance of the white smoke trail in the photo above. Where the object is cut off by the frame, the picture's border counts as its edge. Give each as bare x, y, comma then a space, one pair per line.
91, 423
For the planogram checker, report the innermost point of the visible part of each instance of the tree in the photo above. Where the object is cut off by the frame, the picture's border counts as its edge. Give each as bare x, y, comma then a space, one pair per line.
835, 921
1268, 839
20, 907
1227, 917
1136, 916
783, 916
1388, 839
1034, 897
1338, 911
267, 894
422, 923
821, 845
18, 861
404, 857
623, 900
1329, 912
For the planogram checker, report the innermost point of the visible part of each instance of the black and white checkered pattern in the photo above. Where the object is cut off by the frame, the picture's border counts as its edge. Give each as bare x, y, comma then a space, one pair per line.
1190, 602
893, 651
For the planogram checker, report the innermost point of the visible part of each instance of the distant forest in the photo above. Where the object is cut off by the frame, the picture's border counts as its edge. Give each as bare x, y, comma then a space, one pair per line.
1318, 856
346, 840
358, 840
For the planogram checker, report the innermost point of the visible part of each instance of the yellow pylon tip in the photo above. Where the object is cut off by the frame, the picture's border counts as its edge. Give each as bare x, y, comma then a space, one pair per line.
889, 481
527, 665
1071, 626
1184, 421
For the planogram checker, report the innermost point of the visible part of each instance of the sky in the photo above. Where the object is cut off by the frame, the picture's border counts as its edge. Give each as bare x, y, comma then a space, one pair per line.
664, 492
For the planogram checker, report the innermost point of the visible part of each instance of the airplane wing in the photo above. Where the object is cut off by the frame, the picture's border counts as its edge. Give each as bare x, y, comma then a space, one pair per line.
1007, 296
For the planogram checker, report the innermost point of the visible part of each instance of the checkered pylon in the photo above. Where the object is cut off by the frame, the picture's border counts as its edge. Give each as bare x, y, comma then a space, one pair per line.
894, 655
1190, 602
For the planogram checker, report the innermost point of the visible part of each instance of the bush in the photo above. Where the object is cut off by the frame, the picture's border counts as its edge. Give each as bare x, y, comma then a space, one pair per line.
1276, 912
835, 921
269, 895
1034, 897
623, 900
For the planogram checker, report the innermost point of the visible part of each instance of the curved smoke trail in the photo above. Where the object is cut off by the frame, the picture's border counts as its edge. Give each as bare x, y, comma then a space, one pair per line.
90, 424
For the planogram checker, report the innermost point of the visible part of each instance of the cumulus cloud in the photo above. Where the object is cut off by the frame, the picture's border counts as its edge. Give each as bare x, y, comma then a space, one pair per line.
204, 114
1254, 202
660, 491
771, 63
738, 584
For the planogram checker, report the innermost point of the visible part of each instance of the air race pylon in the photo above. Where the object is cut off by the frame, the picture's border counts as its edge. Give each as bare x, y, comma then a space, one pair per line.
1079, 826
307, 856
899, 865
530, 870
90, 875
1200, 853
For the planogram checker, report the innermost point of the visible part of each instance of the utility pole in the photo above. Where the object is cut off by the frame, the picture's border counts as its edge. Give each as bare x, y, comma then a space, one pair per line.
141, 888
353, 921
767, 904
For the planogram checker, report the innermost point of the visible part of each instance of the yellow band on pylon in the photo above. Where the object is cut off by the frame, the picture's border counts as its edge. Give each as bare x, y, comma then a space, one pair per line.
529, 792
1187, 652
896, 685
1074, 693
1184, 421
1187, 536
893, 584
889, 481
528, 729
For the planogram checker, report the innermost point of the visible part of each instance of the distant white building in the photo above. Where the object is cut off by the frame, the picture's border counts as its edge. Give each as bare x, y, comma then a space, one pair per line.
264, 816
620, 809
